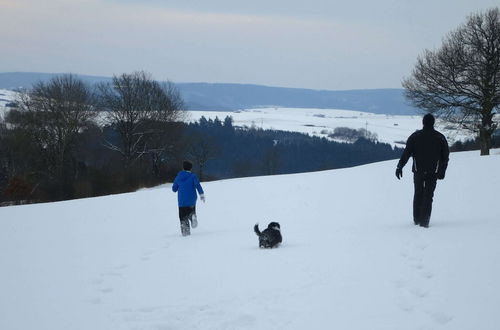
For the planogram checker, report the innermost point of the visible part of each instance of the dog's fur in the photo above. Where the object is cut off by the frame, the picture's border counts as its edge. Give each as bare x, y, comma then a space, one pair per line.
270, 237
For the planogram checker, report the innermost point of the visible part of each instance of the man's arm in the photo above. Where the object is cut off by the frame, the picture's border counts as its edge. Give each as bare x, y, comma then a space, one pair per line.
444, 158
407, 153
405, 156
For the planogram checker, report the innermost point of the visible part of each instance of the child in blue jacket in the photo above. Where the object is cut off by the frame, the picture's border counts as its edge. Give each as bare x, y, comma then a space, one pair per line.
185, 185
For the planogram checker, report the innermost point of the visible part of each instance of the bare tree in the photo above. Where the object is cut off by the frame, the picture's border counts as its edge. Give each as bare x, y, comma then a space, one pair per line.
163, 129
138, 107
53, 113
171, 105
201, 150
460, 82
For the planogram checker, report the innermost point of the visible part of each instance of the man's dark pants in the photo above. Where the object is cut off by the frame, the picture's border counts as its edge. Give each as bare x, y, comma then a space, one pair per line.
185, 215
425, 184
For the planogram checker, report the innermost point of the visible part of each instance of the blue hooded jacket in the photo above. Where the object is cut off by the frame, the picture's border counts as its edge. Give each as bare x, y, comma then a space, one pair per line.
186, 184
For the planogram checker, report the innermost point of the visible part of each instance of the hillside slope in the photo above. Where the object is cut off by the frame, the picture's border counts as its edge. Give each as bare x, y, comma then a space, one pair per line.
351, 257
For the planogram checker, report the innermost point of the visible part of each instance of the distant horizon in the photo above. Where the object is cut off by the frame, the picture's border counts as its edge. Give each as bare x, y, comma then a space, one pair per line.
200, 82
234, 96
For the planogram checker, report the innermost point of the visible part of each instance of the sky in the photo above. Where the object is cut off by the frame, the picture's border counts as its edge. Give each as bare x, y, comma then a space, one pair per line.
317, 44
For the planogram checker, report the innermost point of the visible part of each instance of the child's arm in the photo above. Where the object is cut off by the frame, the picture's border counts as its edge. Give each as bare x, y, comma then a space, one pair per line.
199, 188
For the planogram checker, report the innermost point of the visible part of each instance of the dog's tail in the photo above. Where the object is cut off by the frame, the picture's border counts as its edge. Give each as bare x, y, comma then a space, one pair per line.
256, 229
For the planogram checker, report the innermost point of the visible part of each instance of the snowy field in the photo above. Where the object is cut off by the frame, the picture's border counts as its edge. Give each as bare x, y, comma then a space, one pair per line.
6, 96
351, 256
320, 122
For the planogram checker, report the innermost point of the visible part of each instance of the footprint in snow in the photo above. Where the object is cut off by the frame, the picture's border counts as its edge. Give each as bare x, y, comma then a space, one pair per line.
427, 275
147, 310
421, 246
406, 306
440, 318
94, 301
419, 293
106, 290
111, 273
146, 256
400, 284
97, 281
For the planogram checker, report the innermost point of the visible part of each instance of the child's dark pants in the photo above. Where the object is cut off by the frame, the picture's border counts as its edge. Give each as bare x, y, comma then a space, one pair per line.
185, 215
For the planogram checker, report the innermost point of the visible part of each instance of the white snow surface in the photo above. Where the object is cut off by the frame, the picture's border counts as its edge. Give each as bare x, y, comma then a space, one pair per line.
392, 129
351, 257
6, 96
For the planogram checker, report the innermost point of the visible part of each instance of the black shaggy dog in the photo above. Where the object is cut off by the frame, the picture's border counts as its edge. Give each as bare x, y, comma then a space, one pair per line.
270, 237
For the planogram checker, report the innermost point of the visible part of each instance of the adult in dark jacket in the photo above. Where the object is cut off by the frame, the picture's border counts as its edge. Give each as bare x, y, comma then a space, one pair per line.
430, 153
185, 185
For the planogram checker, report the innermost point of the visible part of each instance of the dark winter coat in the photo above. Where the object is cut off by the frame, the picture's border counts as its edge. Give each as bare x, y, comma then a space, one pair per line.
186, 184
429, 150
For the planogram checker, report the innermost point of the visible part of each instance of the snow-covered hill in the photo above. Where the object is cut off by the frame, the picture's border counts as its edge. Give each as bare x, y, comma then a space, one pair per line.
351, 256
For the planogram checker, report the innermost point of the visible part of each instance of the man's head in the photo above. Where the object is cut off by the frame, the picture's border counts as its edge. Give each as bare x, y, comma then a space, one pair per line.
187, 165
428, 121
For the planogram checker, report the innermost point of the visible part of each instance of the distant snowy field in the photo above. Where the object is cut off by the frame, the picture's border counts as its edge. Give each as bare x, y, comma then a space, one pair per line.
6, 96
351, 256
318, 122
